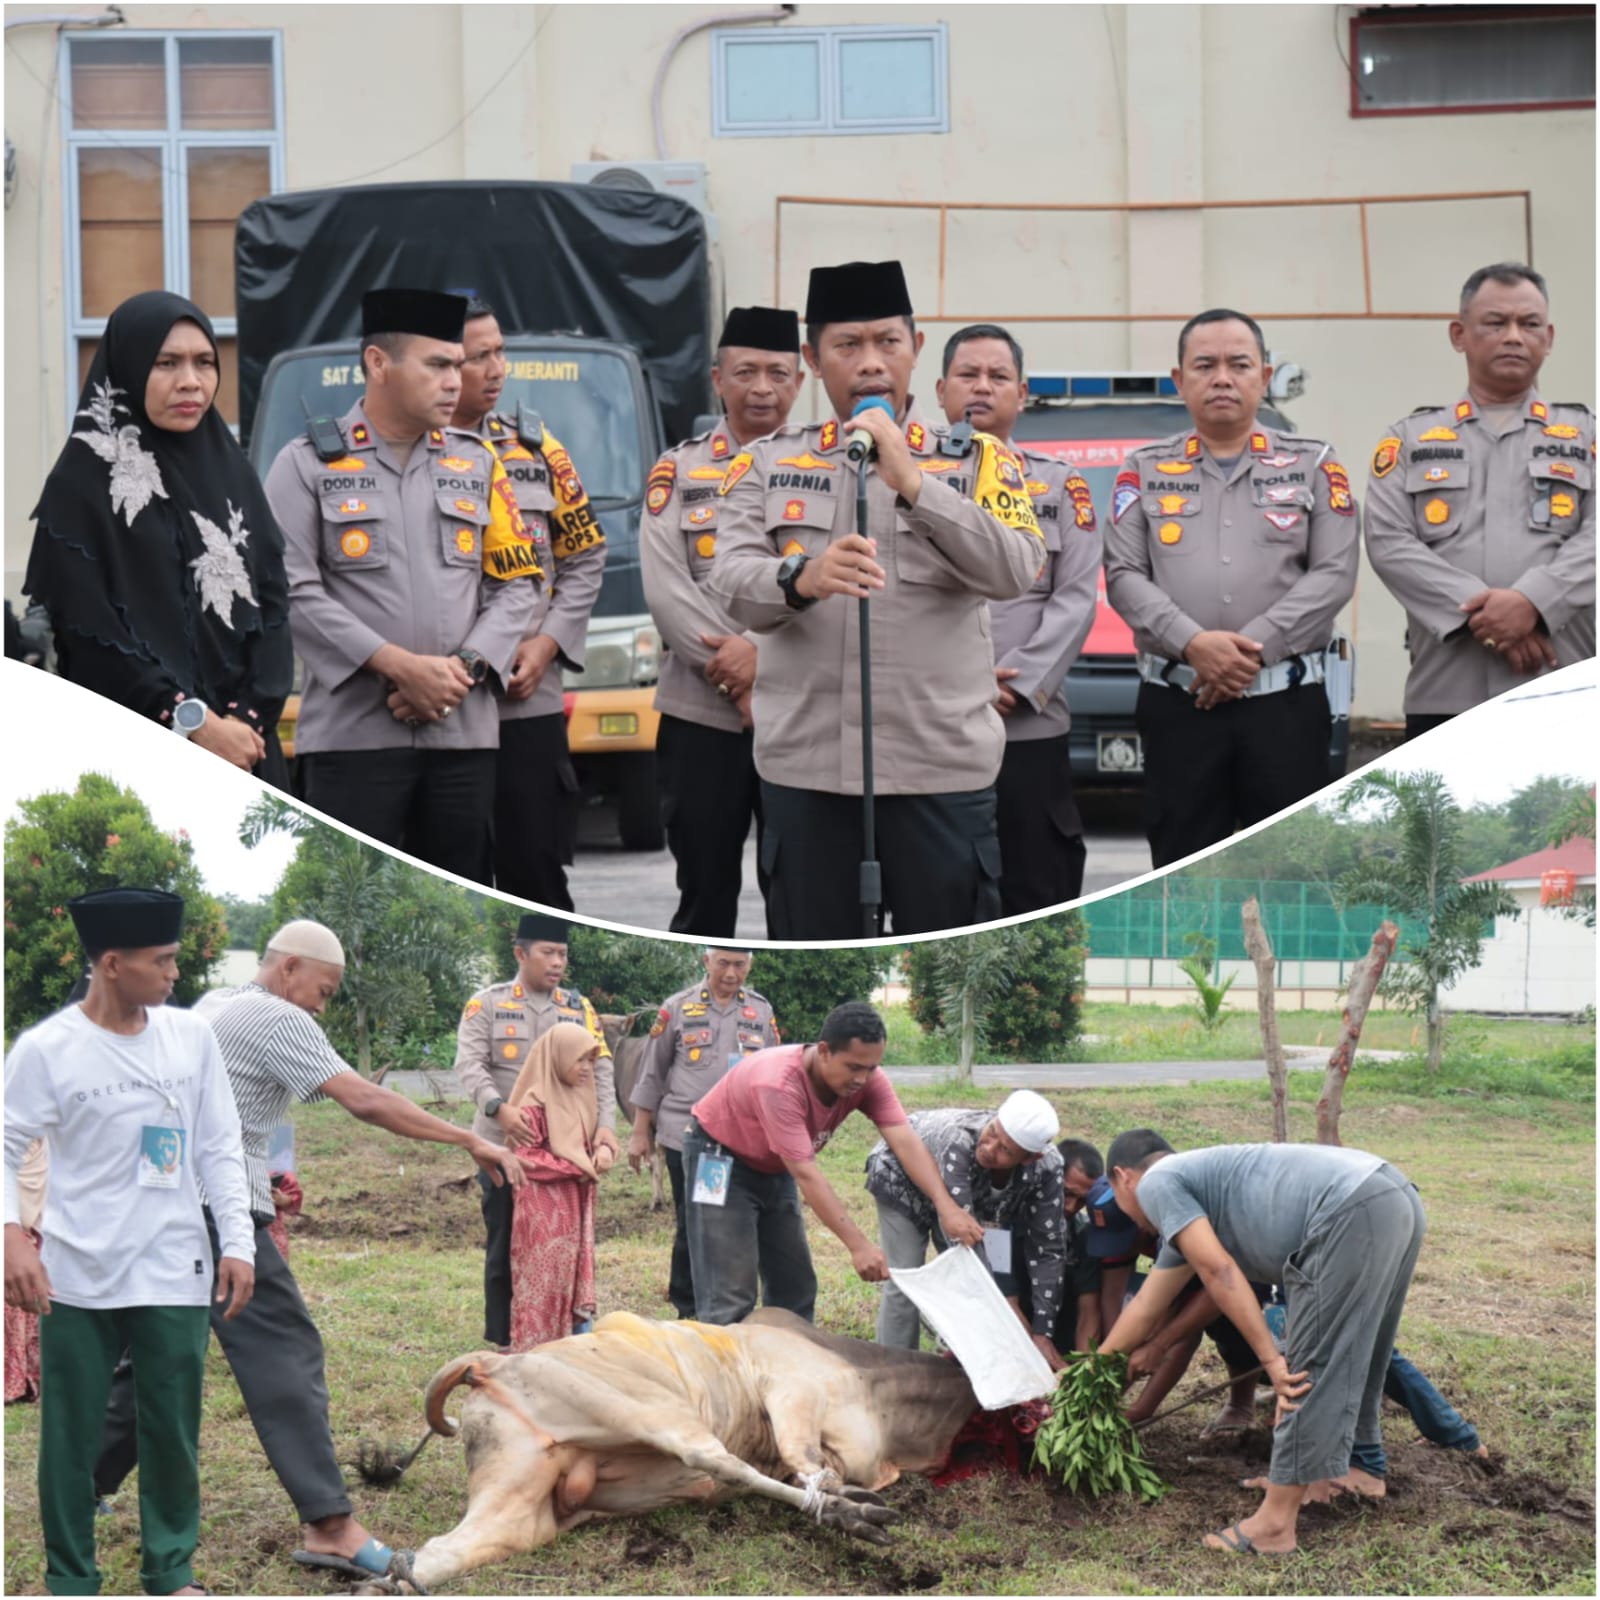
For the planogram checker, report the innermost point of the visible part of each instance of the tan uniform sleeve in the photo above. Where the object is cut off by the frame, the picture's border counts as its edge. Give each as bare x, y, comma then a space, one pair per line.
472, 1053
1131, 587
655, 1066
1302, 620
1431, 590
605, 1073
744, 576
995, 552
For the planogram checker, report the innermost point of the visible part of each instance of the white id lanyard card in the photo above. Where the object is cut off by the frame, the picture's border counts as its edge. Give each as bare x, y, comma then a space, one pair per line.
711, 1175
161, 1152
997, 1246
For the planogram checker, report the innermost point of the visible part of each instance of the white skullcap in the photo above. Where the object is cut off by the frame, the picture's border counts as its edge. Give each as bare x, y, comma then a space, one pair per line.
1029, 1120
309, 939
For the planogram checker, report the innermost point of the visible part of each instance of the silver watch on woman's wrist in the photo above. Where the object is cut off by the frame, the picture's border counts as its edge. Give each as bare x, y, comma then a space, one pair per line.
188, 718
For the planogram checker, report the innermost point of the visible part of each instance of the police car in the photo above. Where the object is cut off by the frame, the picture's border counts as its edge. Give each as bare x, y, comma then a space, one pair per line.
1093, 420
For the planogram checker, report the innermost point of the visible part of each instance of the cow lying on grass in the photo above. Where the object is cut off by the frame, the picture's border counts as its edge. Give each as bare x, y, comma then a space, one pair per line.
638, 1414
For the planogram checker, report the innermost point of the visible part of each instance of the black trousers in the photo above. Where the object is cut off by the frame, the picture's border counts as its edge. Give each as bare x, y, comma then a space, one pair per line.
535, 810
939, 852
276, 1355
496, 1260
680, 1283
1041, 834
1209, 772
1426, 721
436, 804
710, 793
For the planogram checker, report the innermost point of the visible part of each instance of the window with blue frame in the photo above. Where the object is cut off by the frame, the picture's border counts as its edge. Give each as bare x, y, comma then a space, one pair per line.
786, 81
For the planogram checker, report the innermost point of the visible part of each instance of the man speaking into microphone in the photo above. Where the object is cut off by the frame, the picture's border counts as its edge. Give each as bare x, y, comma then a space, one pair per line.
949, 527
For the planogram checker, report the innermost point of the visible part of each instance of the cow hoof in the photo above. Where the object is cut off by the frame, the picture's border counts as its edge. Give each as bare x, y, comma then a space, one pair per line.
860, 1518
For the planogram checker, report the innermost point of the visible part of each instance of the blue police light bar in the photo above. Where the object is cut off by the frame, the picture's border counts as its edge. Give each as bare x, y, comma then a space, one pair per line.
1101, 386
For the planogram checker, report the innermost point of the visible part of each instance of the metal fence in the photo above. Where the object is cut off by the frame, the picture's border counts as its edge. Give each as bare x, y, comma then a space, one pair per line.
1302, 921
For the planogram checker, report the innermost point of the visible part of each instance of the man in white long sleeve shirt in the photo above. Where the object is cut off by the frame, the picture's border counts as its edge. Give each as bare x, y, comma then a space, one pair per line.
133, 1102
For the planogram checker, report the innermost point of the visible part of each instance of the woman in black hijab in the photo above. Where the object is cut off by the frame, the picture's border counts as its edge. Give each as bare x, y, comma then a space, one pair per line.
156, 554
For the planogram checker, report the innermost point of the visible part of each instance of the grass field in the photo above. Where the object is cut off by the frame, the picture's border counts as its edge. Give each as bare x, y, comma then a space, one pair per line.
1501, 1316
1174, 1033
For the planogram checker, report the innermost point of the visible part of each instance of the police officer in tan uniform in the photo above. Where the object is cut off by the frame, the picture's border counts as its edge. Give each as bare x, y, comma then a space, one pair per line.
1230, 551
411, 582
536, 787
1036, 637
705, 750
1480, 514
790, 562
498, 1027
699, 1033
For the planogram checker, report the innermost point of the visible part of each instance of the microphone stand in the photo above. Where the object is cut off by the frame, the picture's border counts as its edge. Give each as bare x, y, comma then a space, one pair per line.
871, 874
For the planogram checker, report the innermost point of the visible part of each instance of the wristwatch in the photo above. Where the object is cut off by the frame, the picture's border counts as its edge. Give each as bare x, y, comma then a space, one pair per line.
188, 718
477, 667
491, 1108
789, 570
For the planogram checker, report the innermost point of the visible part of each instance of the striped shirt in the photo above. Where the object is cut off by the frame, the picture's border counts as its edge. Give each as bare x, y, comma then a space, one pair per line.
273, 1051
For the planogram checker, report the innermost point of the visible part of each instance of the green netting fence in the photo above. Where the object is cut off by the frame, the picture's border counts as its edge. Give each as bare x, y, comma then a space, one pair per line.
1302, 920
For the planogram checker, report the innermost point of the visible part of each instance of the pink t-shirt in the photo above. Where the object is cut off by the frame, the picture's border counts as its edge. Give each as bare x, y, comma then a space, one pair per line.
766, 1112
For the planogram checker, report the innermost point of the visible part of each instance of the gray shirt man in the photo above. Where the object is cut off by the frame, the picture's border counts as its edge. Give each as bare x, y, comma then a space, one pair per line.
678, 540
1459, 502
1041, 632
693, 1042
1262, 1200
935, 729
376, 554
1267, 547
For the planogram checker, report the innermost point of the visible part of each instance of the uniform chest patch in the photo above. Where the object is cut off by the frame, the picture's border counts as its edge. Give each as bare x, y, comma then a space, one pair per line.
354, 543
1171, 469
1562, 505
703, 515
1283, 521
1561, 430
1562, 469
1437, 511
794, 511
1170, 532
1439, 435
345, 464
806, 463
352, 506
456, 463
1279, 460
1436, 474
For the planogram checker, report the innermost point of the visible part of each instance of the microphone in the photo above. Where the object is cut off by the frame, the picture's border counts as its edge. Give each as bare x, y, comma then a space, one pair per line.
861, 445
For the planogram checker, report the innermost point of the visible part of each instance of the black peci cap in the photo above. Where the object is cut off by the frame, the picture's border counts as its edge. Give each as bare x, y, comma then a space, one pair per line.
127, 919
761, 328
539, 927
859, 291
424, 312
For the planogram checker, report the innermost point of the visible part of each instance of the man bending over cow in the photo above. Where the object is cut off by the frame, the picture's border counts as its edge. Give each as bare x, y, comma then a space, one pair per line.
749, 1153
1000, 1168
274, 1052
1340, 1229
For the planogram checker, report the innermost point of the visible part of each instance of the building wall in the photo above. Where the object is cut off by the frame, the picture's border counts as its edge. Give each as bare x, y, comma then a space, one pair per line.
1079, 104
1540, 962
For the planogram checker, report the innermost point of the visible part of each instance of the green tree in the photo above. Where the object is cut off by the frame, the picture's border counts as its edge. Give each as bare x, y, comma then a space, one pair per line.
1575, 820
1036, 1016
412, 941
1422, 879
247, 922
803, 986
97, 837
968, 975
1532, 811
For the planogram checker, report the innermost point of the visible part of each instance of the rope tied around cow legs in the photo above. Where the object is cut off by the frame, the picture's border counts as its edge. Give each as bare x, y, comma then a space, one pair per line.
816, 1499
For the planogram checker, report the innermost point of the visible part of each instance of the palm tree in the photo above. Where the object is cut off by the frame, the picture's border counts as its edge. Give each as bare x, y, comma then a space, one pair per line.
1421, 879
967, 975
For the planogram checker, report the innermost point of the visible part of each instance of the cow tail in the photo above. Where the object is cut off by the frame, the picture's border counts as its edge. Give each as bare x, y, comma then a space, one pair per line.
464, 1370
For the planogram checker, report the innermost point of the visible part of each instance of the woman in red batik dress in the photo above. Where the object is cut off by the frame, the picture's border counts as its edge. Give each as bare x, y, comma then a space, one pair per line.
552, 1228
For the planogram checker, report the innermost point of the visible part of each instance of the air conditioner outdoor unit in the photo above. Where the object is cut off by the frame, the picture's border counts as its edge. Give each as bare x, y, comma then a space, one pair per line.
685, 179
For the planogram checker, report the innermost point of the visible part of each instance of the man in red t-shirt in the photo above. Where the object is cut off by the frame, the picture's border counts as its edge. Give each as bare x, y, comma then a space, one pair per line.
750, 1152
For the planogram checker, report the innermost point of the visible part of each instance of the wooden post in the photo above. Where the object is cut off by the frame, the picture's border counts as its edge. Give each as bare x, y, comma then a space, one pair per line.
1363, 983
1260, 951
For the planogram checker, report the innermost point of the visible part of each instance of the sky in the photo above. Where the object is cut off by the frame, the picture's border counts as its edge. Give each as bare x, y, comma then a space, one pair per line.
55, 732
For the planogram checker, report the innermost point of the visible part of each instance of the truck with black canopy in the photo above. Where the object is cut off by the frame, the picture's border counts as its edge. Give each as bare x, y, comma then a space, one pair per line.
604, 297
